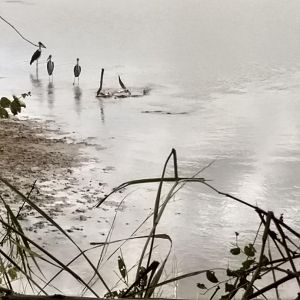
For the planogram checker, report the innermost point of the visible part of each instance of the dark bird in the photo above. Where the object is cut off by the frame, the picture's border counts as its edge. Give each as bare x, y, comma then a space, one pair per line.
36, 55
77, 71
50, 66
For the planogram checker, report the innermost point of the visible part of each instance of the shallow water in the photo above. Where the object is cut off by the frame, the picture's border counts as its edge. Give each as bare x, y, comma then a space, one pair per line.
225, 86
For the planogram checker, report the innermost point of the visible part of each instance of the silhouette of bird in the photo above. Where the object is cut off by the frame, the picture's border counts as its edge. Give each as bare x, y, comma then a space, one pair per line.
77, 71
36, 55
50, 66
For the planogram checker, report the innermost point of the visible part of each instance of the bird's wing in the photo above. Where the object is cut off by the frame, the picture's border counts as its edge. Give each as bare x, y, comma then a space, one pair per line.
50, 67
79, 69
122, 84
35, 56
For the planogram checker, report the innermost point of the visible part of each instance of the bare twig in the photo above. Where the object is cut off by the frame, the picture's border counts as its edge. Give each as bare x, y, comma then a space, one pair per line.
257, 271
18, 32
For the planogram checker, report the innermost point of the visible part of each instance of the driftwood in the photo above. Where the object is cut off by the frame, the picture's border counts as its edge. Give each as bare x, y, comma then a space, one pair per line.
124, 92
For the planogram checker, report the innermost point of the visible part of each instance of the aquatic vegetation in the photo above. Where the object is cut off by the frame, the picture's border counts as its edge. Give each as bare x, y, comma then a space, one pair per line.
263, 265
14, 106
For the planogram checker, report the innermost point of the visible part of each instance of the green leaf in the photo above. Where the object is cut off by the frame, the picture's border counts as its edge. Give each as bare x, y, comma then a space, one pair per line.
229, 287
234, 273
247, 263
235, 251
201, 286
22, 103
5, 102
15, 107
250, 250
122, 267
12, 272
210, 275
3, 113
24, 95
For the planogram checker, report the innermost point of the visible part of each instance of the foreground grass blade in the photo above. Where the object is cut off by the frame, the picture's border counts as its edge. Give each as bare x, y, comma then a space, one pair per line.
41, 212
49, 255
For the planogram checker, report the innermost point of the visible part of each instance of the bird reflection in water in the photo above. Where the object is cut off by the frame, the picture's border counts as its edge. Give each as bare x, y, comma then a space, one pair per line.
37, 85
50, 95
77, 97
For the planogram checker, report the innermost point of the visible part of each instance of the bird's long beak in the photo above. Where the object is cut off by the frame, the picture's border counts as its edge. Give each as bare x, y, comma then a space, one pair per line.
42, 45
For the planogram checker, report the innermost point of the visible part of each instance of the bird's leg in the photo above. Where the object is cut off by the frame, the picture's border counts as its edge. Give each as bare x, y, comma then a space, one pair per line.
74, 81
78, 80
37, 71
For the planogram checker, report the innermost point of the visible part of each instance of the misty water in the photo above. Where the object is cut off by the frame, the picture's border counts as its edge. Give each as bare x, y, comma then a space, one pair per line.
224, 80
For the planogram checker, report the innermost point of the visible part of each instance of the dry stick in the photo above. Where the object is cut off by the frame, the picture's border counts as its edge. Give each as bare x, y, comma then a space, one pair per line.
273, 272
287, 250
18, 32
275, 240
216, 290
258, 209
264, 240
275, 284
148, 180
292, 242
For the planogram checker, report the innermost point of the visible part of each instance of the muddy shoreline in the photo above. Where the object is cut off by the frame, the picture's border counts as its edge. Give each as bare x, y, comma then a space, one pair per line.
31, 152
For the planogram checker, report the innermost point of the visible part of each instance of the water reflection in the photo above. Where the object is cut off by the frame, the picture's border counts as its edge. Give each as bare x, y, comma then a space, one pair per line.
77, 97
50, 95
36, 82
37, 85
102, 110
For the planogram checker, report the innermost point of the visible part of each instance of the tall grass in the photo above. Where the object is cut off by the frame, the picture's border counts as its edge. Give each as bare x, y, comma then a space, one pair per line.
20, 254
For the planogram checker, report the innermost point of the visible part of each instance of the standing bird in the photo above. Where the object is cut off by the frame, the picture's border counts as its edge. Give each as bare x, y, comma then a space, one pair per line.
36, 55
77, 71
50, 66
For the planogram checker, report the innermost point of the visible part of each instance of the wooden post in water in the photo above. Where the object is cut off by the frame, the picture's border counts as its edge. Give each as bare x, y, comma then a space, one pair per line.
101, 82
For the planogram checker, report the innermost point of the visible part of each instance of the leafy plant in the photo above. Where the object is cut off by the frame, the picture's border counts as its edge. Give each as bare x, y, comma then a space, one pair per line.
14, 106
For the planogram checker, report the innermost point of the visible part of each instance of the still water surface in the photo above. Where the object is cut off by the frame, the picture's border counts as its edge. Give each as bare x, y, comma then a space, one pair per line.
225, 86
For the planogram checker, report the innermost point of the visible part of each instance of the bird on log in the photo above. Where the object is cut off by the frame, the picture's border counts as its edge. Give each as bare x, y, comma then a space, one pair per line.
77, 71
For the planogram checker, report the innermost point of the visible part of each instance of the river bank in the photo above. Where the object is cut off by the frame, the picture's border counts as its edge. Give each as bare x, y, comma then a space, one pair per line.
32, 152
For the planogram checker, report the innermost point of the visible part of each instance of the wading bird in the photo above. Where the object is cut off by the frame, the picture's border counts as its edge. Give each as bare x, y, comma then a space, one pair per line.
36, 55
50, 66
77, 71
